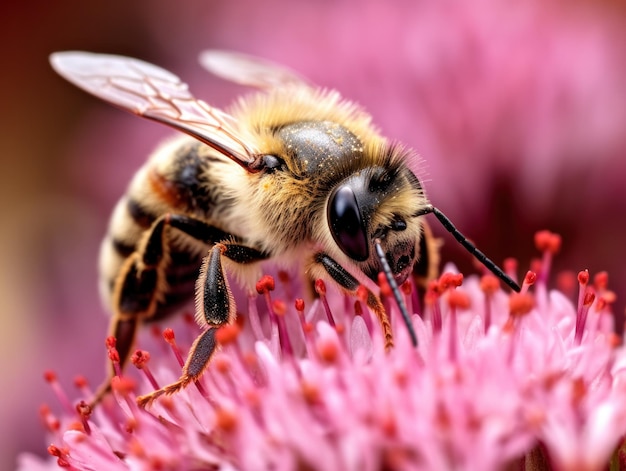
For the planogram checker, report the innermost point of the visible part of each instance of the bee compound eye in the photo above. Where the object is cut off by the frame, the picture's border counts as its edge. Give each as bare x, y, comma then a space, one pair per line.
347, 225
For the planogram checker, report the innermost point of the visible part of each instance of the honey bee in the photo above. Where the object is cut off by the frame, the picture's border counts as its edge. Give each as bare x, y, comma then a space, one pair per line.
291, 173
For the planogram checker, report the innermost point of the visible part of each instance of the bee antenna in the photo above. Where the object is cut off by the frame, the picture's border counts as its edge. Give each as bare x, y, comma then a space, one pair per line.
471, 248
396, 292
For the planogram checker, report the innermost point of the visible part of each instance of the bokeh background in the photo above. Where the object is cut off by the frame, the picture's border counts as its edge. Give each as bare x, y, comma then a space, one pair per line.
518, 109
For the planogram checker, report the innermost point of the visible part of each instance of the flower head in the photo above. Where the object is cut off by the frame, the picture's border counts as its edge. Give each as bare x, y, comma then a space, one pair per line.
495, 378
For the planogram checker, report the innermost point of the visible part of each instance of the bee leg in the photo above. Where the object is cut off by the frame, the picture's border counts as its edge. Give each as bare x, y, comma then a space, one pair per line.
351, 284
215, 308
136, 295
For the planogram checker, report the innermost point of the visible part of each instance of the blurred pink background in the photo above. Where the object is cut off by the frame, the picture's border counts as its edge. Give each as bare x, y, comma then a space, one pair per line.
519, 112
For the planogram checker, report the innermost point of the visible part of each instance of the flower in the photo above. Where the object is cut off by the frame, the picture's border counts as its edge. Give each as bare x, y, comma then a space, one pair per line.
497, 379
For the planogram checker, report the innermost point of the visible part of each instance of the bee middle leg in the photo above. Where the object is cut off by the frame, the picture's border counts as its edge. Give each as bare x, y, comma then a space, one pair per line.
215, 307
351, 284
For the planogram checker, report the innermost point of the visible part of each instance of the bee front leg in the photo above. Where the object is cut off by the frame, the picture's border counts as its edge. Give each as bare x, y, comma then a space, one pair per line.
215, 307
351, 285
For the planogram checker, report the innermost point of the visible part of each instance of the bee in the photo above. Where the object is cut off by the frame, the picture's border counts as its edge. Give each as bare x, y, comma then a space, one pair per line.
291, 173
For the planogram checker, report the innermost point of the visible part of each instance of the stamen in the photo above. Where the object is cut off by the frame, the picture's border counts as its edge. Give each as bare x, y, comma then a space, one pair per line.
566, 282
489, 285
51, 379
510, 267
529, 280
320, 289
263, 287
168, 335
113, 354
49, 420
456, 299
61, 455
84, 411
280, 309
549, 244
431, 299
581, 315
140, 359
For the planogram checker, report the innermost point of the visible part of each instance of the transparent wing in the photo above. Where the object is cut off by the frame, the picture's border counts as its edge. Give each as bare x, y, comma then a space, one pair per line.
249, 70
154, 93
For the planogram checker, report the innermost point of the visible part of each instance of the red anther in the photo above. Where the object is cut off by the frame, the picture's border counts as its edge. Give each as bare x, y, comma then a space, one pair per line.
609, 296
583, 277
50, 376
80, 382
385, 289
589, 298
61, 456
280, 308
131, 424
450, 280
530, 278
457, 280
227, 334
221, 364
49, 420
328, 351
407, 287
140, 358
283, 276
299, 304
362, 294
168, 335
225, 420
84, 409
520, 304
265, 284
614, 340
123, 385
489, 284
84, 412
358, 308
110, 342
510, 265
566, 282
54, 451
601, 280
601, 304
310, 392
320, 287
434, 287
547, 241
240, 320
458, 299
114, 355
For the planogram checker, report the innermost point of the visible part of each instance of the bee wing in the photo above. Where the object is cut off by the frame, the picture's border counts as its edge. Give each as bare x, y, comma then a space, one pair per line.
154, 93
249, 70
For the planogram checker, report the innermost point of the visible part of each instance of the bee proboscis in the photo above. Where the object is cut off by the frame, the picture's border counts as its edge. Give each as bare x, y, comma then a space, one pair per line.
291, 173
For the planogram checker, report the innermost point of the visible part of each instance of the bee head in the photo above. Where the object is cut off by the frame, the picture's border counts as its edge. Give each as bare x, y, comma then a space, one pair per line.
377, 204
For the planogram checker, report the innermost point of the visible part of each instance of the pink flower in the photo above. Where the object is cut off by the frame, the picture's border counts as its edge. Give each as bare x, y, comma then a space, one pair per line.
496, 378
